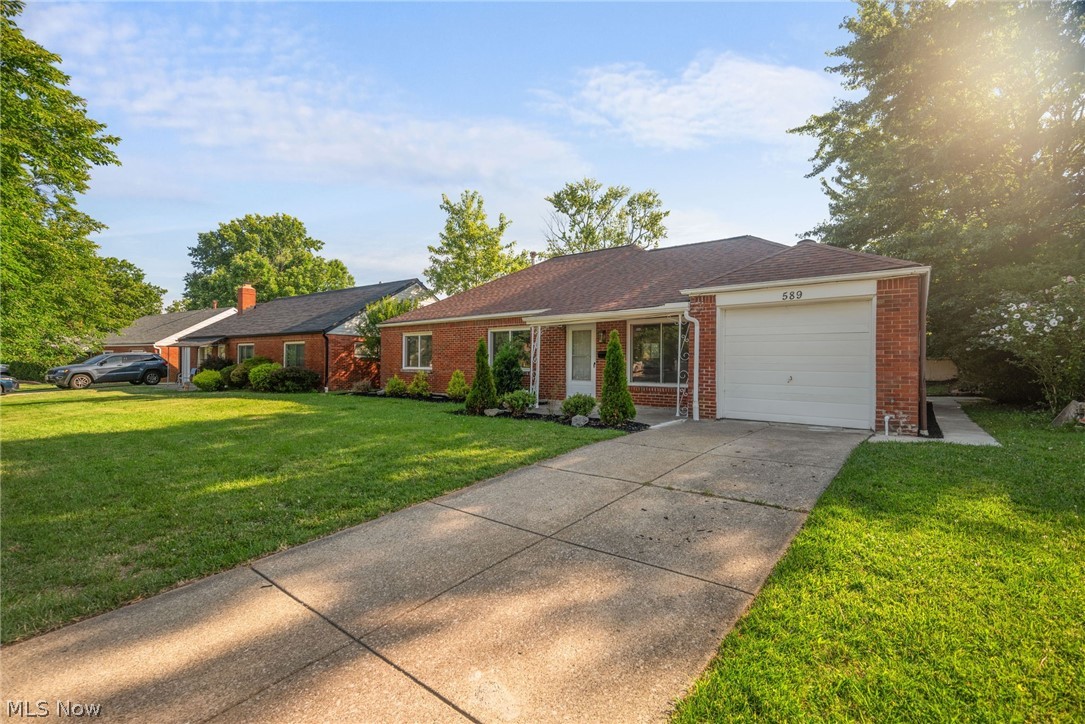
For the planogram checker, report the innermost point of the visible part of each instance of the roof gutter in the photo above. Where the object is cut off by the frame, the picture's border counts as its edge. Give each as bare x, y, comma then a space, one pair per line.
884, 274
468, 318
663, 310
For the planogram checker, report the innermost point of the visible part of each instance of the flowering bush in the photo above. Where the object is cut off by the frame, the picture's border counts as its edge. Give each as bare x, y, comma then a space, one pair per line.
1046, 334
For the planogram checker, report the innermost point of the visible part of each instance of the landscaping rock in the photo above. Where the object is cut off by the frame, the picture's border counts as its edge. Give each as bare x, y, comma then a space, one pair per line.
495, 412
579, 420
1071, 413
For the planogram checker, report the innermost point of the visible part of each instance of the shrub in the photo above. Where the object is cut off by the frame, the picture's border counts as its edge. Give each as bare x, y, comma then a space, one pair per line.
1044, 334
395, 387
239, 377
226, 373
292, 379
483, 394
208, 380
362, 387
419, 387
518, 401
214, 363
578, 404
616, 405
457, 387
260, 376
27, 371
508, 375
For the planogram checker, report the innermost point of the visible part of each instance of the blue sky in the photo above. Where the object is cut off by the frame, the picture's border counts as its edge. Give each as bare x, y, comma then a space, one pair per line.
356, 117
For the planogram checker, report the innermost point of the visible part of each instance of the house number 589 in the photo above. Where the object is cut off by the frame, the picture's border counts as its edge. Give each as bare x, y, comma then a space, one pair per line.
797, 294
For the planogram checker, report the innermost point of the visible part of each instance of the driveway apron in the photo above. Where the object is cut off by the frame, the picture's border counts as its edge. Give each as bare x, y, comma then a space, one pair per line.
593, 586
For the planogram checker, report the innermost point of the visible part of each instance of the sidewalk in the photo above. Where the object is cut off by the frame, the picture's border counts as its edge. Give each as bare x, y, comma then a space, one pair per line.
957, 427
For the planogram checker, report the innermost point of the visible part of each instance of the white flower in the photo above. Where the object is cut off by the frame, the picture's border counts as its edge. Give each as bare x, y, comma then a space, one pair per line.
1013, 307
1017, 316
1024, 305
1059, 317
1047, 329
1053, 322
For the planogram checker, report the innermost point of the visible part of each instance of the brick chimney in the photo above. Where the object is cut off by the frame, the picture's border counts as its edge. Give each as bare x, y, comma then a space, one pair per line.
246, 297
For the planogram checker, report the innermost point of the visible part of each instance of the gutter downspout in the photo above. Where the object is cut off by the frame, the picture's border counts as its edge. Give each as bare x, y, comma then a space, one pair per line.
923, 353
327, 358
696, 364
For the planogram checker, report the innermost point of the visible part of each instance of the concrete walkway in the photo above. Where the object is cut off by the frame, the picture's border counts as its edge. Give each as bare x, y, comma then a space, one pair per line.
595, 586
957, 427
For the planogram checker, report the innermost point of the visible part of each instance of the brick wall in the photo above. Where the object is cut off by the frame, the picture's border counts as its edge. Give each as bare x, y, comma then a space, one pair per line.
703, 309
346, 369
454, 346
272, 348
898, 352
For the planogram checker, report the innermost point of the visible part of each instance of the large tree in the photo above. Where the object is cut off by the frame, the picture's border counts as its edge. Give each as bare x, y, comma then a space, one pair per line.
273, 253
471, 251
59, 296
587, 217
962, 146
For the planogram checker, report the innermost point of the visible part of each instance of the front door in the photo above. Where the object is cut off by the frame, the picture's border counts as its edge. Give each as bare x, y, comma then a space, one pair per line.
580, 360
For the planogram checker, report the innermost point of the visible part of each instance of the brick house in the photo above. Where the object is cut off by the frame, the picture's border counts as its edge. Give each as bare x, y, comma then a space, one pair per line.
739, 328
314, 331
160, 333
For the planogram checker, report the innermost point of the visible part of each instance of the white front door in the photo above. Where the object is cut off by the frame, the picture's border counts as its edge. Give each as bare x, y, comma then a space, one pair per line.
580, 360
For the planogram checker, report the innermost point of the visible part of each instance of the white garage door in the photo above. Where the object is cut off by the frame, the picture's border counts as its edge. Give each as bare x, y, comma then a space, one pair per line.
809, 362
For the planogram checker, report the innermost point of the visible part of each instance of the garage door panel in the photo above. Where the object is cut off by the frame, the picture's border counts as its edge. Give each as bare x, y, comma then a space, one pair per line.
790, 349
762, 377
808, 363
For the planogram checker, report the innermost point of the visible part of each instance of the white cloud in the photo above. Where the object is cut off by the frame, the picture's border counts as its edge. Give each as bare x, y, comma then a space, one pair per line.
720, 98
258, 97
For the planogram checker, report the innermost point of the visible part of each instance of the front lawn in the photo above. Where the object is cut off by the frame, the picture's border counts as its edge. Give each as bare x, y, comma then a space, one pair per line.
113, 494
931, 583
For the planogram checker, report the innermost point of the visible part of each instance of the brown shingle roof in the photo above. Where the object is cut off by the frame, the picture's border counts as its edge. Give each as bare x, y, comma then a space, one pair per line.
806, 260
626, 277
156, 327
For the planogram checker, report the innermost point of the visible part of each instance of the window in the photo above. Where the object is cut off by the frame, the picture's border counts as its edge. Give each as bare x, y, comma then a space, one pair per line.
519, 337
653, 358
244, 352
418, 351
361, 351
294, 354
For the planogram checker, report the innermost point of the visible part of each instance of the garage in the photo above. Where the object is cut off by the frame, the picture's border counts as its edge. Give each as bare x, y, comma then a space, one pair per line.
804, 362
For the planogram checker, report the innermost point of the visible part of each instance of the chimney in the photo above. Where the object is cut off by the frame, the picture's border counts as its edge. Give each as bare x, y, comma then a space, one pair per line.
214, 304
246, 297
533, 255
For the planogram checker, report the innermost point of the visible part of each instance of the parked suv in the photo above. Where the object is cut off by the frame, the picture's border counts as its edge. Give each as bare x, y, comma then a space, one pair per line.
7, 382
139, 368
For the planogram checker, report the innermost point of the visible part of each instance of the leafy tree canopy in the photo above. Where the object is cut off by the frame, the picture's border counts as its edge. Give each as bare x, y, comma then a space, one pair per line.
965, 150
273, 253
587, 217
59, 297
471, 251
381, 311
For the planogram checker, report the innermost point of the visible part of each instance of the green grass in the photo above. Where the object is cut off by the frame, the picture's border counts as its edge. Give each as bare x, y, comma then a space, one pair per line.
113, 494
930, 583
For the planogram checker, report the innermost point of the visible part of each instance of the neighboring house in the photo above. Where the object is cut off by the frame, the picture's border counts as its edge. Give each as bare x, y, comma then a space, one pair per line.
807, 333
315, 331
160, 332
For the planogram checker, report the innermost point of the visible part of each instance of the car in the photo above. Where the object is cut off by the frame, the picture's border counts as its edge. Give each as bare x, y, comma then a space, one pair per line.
7, 382
138, 368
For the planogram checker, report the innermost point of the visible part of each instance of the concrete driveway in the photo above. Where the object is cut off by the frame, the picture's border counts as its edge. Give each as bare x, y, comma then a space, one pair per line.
593, 586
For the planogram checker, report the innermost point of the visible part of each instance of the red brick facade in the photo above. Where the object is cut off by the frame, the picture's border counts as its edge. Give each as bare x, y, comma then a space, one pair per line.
345, 369
454, 345
899, 354
899, 390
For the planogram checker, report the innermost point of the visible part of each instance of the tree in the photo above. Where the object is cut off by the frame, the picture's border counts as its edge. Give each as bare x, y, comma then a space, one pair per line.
471, 251
585, 218
483, 394
60, 297
615, 404
966, 150
507, 372
177, 305
377, 312
273, 253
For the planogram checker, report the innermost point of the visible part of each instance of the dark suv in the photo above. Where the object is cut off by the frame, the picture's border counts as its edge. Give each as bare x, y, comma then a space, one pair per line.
139, 368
